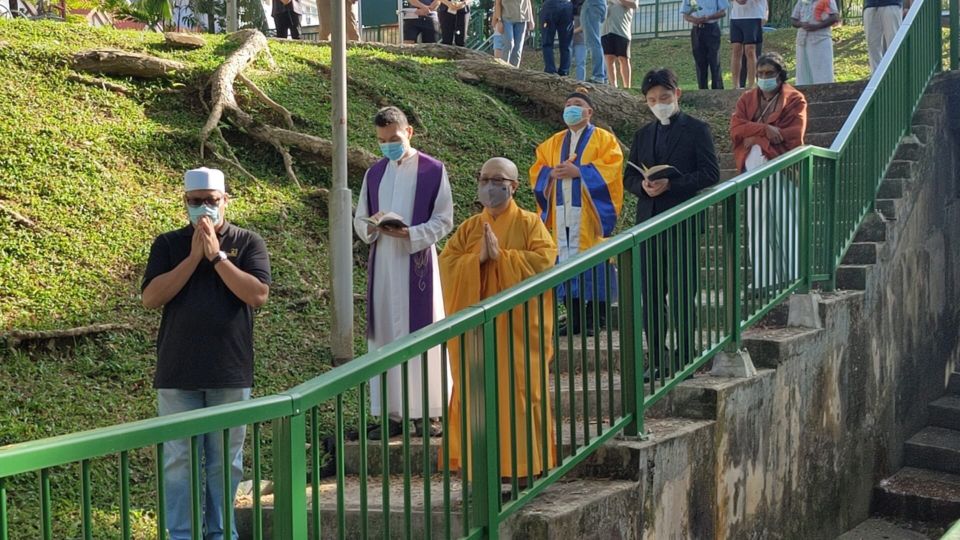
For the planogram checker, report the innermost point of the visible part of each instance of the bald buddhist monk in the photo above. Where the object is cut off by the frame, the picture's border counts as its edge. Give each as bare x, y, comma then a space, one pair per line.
489, 253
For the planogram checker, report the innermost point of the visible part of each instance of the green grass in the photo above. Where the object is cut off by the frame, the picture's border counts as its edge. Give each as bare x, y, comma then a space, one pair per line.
100, 174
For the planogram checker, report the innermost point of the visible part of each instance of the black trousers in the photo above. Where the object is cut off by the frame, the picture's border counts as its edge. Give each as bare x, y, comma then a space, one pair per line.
285, 22
453, 27
669, 264
705, 41
743, 62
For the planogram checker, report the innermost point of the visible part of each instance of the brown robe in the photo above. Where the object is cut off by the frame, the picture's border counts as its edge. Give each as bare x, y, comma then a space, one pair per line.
790, 115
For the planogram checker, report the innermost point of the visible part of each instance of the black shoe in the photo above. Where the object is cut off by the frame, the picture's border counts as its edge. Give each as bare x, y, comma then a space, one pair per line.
394, 428
435, 428
564, 330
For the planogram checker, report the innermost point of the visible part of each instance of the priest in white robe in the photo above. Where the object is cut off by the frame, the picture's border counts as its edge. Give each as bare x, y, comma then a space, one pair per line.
403, 278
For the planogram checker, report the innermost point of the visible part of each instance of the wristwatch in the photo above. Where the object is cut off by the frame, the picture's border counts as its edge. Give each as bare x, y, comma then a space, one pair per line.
219, 257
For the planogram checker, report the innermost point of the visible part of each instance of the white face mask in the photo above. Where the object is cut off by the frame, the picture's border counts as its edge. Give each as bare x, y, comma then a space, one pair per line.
663, 111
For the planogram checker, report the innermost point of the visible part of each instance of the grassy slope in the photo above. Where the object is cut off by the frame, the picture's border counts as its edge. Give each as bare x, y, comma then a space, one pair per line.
100, 174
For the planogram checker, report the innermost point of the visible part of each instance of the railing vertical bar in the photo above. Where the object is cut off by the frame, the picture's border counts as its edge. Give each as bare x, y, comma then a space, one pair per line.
512, 390
341, 471
257, 478
364, 465
315, 472
46, 512
405, 405
161, 497
597, 337
584, 357
426, 425
544, 388
385, 456
557, 382
732, 250
444, 443
608, 281
227, 484
465, 447
4, 519
196, 528
528, 392
85, 502
571, 370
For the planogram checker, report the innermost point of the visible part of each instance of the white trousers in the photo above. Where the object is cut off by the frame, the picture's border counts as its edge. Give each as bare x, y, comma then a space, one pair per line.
774, 241
880, 25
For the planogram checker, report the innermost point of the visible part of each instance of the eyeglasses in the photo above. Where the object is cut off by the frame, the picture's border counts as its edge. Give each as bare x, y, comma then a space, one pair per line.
209, 201
495, 179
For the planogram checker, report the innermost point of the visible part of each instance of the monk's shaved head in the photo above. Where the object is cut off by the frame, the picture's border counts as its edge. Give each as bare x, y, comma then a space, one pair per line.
500, 167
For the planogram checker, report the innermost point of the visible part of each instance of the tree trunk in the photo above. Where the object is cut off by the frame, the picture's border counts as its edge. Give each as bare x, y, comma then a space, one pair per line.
613, 107
126, 64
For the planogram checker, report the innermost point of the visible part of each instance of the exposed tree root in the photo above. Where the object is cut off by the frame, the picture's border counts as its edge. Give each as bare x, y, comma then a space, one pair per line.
16, 337
100, 83
18, 218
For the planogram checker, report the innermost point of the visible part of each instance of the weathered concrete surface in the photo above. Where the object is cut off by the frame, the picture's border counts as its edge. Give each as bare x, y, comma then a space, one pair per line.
878, 529
800, 447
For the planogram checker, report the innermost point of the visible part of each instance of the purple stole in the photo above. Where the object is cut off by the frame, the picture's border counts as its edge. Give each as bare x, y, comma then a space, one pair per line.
429, 176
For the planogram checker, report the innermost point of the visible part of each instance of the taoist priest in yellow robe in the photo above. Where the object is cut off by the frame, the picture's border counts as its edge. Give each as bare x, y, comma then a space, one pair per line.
578, 183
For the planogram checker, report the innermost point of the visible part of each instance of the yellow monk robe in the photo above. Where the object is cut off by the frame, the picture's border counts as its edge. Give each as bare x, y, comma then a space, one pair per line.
526, 249
589, 210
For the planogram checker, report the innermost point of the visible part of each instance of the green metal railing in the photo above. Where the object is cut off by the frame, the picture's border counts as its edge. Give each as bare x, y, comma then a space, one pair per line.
532, 404
953, 533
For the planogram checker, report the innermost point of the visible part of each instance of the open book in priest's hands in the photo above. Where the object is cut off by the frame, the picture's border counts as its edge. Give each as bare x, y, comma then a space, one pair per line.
387, 220
657, 172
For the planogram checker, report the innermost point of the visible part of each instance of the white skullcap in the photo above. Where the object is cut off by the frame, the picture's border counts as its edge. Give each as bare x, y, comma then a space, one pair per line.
204, 178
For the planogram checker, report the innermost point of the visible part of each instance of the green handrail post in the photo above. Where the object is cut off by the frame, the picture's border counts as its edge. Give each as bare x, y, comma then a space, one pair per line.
954, 34
731, 252
290, 468
830, 241
4, 534
632, 353
484, 430
806, 224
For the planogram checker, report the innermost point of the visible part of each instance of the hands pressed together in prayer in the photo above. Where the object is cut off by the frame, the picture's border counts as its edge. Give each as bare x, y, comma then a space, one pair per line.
205, 243
490, 246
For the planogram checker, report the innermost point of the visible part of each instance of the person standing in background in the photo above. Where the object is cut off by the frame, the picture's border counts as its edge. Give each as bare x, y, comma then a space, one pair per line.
617, 32
705, 19
513, 19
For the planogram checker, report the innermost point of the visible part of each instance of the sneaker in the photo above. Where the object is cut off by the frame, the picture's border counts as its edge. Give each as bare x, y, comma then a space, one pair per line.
394, 428
435, 428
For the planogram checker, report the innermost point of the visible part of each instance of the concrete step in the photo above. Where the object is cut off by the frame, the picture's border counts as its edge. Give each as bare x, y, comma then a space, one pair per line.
909, 149
953, 385
892, 188
919, 495
853, 277
822, 109
826, 124
727, 174
924, 134
889, 208
882, 529
861, 253
606, 353
928, 117
900, 168
824, 139
934, 448
873, 229
945, 412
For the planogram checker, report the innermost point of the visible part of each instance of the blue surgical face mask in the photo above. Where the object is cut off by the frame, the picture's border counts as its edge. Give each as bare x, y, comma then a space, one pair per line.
768, 85
572, 115
197, 212
393, 150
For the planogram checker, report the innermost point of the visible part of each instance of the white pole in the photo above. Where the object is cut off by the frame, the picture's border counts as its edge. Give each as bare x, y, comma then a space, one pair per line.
400, 21
341, 218
232, 25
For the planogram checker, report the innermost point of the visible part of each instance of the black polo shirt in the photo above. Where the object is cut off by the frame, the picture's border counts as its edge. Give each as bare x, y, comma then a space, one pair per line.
206, 333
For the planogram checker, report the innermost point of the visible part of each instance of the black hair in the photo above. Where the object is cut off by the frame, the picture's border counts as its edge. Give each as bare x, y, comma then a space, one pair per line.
581, 93
390, 115
775, 61
659, 77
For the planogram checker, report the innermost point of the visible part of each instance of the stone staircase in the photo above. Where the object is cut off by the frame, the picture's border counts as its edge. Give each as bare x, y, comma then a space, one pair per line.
601, 497
927, 488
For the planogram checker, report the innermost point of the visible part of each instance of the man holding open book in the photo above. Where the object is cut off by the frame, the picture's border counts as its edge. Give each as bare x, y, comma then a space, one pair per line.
671, 159
405, 208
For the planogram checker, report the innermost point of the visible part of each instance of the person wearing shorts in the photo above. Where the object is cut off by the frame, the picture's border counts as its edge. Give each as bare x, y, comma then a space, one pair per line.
615, 40
420, 21
746, 31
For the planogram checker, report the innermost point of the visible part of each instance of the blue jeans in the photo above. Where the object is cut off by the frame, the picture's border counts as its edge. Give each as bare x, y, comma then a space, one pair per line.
556, 20
176, 464
514, 32
579, 51
592, 15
